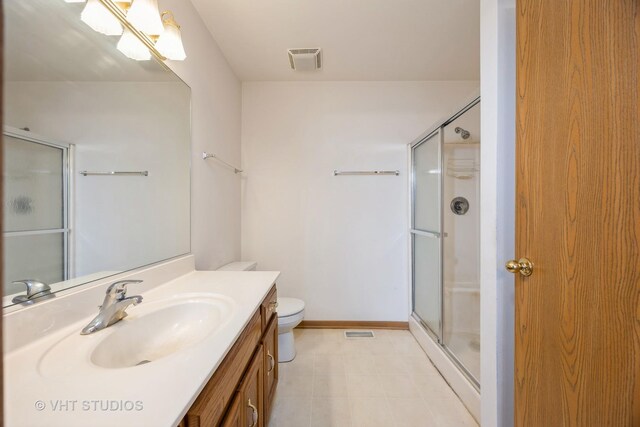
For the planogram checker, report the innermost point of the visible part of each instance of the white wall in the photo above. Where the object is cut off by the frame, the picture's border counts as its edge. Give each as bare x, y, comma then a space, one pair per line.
498, 33
340, 242
216, 109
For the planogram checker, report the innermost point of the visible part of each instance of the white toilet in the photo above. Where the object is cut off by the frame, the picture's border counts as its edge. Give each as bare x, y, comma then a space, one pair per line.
290, 314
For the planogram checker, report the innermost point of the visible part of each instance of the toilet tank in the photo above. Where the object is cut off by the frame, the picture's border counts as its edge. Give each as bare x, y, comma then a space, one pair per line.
239, 266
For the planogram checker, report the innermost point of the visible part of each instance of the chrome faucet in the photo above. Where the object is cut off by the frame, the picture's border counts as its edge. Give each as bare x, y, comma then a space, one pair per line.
113, 307
35, 290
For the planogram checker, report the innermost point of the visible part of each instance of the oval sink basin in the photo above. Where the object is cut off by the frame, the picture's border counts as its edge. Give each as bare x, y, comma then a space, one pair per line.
150, 332
157, 334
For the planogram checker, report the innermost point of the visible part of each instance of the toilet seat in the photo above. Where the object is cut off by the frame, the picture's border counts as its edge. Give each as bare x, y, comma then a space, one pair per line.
289, 307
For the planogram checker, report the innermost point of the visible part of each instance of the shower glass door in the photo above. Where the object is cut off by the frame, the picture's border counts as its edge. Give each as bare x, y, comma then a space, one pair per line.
35, 211
445, 234
426, 232
461, 245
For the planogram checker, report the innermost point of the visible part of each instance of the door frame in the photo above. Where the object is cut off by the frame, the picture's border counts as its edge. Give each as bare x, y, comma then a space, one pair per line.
497, 213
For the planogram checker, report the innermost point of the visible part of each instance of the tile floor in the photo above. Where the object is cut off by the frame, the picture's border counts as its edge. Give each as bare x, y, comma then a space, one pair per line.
385, 381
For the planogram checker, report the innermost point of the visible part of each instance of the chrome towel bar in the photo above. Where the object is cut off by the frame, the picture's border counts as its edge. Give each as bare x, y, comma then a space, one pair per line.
116, 173
206, 156
336, 173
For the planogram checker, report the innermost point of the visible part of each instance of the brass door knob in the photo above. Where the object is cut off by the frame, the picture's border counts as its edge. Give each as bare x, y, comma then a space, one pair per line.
522, 266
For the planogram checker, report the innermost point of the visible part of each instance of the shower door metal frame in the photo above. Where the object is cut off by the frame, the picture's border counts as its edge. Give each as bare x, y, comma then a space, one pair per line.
68, 151
438, 337
437, 133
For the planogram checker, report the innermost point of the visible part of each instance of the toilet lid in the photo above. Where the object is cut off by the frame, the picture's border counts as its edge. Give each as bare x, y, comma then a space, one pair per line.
289, 306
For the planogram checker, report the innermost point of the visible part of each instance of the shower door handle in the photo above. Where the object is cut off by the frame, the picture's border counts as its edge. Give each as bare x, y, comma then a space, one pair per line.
522, 266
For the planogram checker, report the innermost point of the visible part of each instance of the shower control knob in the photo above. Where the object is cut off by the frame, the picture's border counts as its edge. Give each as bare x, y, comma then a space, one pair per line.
522, 266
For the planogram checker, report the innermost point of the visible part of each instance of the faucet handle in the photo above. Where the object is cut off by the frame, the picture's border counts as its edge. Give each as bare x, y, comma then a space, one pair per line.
33, 286
34, 289
119, 289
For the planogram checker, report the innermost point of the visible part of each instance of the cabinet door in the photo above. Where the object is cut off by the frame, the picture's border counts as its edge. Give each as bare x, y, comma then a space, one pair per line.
234, 415
270, 344
252, 392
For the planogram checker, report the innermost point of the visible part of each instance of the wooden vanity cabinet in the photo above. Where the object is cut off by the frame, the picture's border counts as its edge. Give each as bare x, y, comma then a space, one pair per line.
242, 388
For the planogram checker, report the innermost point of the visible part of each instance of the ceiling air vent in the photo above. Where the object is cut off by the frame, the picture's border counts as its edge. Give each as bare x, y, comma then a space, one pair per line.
305, 59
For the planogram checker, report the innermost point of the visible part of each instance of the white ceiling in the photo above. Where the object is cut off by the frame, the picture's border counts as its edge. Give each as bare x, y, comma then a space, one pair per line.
360, 39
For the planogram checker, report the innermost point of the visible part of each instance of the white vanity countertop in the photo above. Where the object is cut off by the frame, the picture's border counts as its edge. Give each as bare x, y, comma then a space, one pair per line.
155, 394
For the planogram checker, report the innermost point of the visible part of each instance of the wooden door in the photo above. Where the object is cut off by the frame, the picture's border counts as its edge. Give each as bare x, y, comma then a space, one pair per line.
252, 392
577, 358
1, 189
270, 343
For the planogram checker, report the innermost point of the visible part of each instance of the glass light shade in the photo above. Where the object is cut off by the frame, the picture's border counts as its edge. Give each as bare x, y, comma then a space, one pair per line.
100, 19
144, 15
170, 43
132, 47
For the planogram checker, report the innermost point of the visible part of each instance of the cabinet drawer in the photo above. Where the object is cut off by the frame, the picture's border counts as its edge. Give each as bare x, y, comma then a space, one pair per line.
269, 307
209, 407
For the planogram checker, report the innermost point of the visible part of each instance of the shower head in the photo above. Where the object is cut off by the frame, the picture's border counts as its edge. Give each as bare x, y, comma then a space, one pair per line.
463, 133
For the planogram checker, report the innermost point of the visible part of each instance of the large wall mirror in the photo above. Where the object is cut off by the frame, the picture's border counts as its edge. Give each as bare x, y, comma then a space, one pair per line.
96, 153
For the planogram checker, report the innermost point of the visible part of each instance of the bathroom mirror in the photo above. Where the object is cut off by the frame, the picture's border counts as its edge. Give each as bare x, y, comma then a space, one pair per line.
96, 152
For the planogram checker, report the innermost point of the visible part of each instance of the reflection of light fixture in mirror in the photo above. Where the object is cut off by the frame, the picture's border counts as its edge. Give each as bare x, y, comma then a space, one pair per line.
100, 19
132, 47
169, 43
145, 16
160, 34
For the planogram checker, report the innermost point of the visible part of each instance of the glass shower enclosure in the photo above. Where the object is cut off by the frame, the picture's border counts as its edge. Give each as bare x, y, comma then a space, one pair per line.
445, 237
36, 220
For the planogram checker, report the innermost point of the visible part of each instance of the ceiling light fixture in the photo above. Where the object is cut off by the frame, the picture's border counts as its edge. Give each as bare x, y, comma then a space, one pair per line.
132, 47
145, 16
169, 43
100, 19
